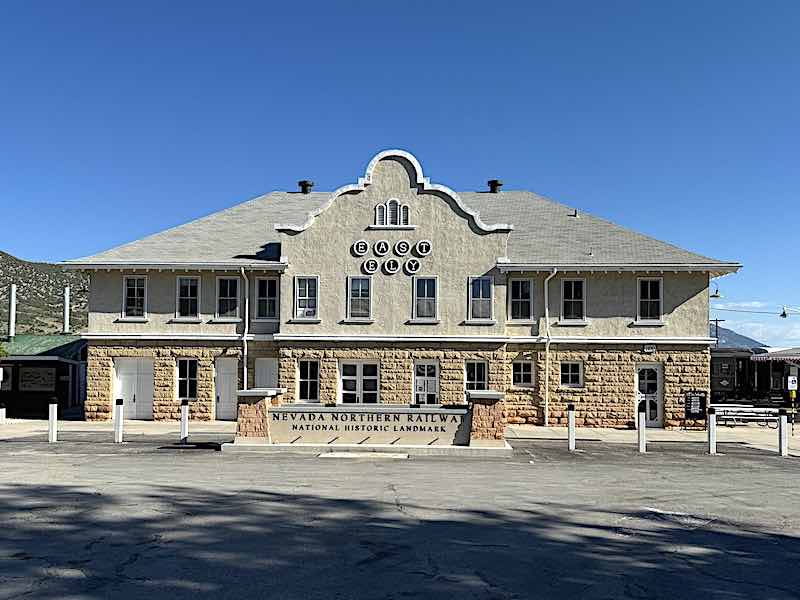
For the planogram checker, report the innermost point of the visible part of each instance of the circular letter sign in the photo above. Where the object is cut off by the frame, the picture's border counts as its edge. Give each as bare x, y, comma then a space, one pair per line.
369, 266
391, 266
423, 247
402, 248
381, 247
360, 248
412, 266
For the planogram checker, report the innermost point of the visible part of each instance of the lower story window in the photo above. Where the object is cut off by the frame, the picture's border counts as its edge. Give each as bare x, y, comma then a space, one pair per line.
572, 374
309, 381
360, 382
476, 375
187, 379
522, 373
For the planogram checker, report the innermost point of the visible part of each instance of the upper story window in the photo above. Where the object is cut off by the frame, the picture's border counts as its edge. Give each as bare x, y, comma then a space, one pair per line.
573, 299
476, 375
359, 302
188, 298
306, 292
228, 297
425, 304
650, 299
480, 298
391, 214
521, 299
134, 304
267, 298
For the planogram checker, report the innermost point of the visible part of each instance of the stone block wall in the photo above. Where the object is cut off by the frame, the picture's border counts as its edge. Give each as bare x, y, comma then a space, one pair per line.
396, 368
252, 417
488, 420
166, 406
608, 397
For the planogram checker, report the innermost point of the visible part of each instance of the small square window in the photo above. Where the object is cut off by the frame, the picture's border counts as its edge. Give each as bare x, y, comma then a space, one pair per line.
522, 373
572, 374
476, 371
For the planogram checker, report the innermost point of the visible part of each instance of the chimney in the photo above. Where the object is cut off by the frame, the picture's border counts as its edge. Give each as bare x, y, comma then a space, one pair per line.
494, 185
66, 309
305, 186
12, 310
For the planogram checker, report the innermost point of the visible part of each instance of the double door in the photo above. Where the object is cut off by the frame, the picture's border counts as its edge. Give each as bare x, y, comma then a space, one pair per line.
134, 384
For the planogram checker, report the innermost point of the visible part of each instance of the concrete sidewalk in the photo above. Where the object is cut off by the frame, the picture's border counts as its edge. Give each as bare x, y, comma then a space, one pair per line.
22, 428
754, 436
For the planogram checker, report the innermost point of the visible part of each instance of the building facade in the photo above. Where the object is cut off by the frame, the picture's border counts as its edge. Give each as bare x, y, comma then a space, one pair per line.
397, 290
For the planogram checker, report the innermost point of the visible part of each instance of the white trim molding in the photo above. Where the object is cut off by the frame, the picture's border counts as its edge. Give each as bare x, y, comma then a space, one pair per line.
419, 179
715, 269
500, 339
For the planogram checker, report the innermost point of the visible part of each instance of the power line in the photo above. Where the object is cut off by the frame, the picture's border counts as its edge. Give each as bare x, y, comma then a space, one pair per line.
741, 310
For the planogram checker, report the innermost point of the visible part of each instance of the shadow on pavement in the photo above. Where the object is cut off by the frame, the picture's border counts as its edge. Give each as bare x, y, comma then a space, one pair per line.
186, 542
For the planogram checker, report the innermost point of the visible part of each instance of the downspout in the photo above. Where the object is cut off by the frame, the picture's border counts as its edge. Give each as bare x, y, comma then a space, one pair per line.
547, 346
246, 327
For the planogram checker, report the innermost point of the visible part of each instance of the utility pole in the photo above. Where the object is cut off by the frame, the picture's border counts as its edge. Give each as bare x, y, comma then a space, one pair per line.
716, 323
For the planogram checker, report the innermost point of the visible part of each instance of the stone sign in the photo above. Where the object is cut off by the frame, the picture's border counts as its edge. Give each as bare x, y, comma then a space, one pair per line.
380, 424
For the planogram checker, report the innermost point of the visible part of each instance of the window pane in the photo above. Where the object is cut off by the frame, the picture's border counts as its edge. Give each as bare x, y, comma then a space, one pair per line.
370, 370
349, 370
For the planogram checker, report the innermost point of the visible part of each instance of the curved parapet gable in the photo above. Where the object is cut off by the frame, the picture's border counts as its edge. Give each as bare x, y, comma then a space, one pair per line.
418, 178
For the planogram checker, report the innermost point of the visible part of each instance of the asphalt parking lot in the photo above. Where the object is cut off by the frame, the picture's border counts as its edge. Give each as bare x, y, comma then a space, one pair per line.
83, 519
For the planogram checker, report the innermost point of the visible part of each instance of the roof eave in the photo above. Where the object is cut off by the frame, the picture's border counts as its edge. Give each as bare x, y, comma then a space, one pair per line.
173, 266
714, 269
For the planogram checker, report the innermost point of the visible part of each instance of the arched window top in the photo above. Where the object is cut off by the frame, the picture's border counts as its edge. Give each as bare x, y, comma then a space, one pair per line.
392, 214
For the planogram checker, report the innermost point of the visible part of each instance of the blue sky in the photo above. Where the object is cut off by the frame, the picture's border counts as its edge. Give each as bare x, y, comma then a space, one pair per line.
677, 119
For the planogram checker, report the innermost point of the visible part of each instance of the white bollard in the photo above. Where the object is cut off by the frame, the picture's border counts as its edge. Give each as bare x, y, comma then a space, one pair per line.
184, 421
712, 430
642, 430
52, 427
783, 433
118, 416
571, 426
2, 414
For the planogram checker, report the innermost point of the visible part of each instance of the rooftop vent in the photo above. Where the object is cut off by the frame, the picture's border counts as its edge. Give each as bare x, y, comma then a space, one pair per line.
305, 186
574, 213
494, 185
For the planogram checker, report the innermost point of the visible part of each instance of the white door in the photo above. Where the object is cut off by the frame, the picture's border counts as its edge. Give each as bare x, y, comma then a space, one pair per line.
134, 384
650, 391
226, 380
359, 382
266, 372
426, 382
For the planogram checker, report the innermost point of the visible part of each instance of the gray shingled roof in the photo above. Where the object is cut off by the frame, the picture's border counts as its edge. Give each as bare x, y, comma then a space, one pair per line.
545, 232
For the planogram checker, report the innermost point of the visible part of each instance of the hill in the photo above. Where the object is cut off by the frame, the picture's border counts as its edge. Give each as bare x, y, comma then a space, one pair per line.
40, 289
728, 338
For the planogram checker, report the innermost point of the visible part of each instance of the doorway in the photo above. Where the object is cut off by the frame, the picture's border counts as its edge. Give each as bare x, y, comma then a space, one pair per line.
134, 384
650, 392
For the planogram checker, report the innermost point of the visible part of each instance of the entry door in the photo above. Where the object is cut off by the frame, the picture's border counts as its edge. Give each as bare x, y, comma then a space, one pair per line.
359, 382
650, 391
134, 384
426, 382
266, 372
226, 380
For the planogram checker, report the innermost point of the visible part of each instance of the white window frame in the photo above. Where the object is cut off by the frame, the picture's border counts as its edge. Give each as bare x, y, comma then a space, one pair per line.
403, 214
639, 319
299, 380
582, 321
296, 310
178, 316
217, 316
256, 298
510, 306
485, 364
348, 315
188, 379
360, 378
470, 318
524, 386
414, 316
124, 314
580, 383
427, 362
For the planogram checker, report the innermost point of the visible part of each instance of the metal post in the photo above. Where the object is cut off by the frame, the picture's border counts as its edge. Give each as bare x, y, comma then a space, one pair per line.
52, 427
571, 426
118, 422
712, 430
184, 421
66, 309
783, 433
642, 430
